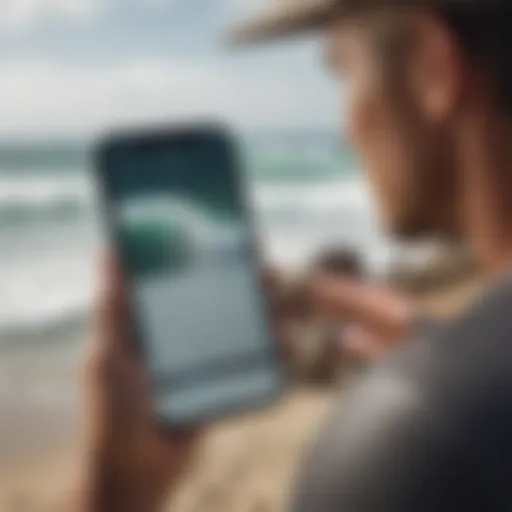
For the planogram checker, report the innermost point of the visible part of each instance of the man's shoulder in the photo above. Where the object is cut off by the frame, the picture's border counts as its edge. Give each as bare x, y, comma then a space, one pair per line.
463, 371
461, 368
438, 407
492, 309
386, 447
473, 349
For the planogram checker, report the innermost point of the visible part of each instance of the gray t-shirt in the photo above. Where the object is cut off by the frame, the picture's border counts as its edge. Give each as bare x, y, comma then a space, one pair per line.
428, 430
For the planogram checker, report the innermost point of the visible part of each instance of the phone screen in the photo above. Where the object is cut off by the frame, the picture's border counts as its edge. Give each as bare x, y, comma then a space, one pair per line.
185, 238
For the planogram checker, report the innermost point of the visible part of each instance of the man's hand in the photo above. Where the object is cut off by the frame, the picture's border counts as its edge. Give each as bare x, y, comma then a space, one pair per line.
130, 465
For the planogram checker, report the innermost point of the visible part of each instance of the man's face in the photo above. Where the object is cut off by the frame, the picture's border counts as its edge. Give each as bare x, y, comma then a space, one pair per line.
406, 155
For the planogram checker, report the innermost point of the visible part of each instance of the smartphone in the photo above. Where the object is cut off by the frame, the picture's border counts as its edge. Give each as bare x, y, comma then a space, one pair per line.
178, 215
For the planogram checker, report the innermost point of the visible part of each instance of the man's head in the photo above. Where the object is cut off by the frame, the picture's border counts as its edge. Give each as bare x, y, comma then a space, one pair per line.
416, 77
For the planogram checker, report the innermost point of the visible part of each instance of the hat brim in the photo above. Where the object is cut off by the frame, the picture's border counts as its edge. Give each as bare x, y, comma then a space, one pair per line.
283, 22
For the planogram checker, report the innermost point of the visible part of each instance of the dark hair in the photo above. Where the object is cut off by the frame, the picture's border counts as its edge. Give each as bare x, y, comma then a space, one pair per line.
485, 34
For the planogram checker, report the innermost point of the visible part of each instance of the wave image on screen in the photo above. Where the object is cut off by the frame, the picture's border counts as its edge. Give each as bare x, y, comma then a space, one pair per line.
169, 234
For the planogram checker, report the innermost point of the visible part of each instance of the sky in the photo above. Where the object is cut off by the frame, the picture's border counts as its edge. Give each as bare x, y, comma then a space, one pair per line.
75, 67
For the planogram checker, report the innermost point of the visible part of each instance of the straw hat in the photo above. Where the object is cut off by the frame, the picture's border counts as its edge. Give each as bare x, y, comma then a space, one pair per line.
288, 17
285, 17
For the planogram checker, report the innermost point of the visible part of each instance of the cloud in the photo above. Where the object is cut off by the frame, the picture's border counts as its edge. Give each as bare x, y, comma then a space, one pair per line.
25, 14
53, 99
245, 6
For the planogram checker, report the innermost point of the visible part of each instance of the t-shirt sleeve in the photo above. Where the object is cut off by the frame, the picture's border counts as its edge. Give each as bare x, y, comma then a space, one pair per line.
385, 450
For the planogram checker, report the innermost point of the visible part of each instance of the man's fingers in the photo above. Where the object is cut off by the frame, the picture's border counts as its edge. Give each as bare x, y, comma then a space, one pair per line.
112, 316
365, 303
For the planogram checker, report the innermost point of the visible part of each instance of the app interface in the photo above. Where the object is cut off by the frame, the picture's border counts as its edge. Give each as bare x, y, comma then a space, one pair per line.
187, 246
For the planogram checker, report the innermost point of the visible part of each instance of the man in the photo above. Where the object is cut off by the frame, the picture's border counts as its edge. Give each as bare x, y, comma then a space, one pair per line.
430, 91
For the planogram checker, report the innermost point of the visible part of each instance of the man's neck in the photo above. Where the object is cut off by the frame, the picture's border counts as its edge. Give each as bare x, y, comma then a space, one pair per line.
486, 165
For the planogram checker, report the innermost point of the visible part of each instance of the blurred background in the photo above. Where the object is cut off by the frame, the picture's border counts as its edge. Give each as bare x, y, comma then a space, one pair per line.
72, 69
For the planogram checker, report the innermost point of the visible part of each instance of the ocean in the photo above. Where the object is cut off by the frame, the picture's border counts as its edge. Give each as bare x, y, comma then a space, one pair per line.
306, 195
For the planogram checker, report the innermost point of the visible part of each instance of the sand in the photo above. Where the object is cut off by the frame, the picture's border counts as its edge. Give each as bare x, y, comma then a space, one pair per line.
245, 465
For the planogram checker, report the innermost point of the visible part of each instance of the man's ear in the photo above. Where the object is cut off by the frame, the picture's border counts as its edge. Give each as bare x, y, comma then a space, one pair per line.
437, 68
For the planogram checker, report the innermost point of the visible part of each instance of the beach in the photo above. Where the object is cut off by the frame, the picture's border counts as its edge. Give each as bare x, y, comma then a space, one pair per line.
307, 196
